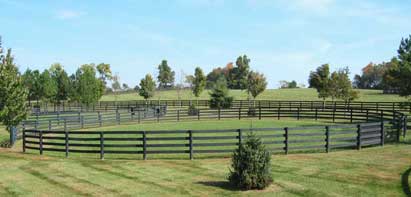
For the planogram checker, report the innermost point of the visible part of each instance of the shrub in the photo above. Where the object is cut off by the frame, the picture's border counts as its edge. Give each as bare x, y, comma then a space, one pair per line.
250, 168
192, 110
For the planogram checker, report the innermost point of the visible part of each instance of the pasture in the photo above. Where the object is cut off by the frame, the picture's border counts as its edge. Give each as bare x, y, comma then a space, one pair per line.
378, 171
298, 94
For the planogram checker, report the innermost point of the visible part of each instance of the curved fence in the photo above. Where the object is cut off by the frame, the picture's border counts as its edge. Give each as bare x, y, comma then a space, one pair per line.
43, 107
199, 142
79, 120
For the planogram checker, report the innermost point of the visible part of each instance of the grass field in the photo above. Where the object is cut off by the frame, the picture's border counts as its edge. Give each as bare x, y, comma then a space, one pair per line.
379, 171
4, 135
271, 94
370, 172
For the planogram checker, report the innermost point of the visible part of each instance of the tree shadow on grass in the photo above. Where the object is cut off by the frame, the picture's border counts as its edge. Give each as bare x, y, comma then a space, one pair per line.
405, 182
220, 184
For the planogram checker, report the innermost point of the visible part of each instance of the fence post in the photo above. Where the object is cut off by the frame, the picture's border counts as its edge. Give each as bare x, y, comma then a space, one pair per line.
382, 116
405, 126
316, 114
259, 113
198, 114
144, 146
366, 115
178, 115
66, 140
240, 137
139, 116
334, 114
65, 125
298, 113
118, 117
286, 140
100, 122
24, 140
359, 137
82, 121
351, 115
101, 146
158, 113
278, 112
49, 125
41, 142
327, 139
219, 113
382, 133
239, 113
190, 133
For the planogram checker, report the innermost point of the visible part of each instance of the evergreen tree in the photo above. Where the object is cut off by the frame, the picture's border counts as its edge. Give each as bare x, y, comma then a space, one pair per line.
13, 93
400, 75
165, 75
251, 165
147, 87
219, 95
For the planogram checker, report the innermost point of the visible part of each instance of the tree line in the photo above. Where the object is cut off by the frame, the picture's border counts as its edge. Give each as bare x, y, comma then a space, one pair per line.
219, 81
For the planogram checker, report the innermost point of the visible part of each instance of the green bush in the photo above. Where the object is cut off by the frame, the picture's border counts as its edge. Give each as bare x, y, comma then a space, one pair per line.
219, 95
192, 110
250, 168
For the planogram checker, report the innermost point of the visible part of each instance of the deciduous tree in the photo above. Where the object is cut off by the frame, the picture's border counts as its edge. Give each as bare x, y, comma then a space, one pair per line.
165, 75
147, 87
13, 93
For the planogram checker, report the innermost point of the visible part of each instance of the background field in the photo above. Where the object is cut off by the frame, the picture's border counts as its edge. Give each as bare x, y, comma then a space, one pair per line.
272, 94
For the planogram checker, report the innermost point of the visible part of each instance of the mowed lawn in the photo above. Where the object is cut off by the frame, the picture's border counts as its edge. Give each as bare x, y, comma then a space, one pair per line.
379, 171
308, 94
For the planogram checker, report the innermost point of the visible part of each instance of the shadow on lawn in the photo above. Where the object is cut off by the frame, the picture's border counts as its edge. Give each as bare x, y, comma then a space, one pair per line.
221, 184
405, 182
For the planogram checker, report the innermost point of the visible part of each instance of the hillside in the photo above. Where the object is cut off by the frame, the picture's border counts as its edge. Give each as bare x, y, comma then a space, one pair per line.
271, 94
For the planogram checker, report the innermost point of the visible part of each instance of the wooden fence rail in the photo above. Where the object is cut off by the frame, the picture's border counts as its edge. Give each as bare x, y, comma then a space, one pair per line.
193, 142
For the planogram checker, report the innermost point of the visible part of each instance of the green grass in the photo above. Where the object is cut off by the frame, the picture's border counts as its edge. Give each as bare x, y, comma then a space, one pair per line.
369, 172
211, 124
271, 94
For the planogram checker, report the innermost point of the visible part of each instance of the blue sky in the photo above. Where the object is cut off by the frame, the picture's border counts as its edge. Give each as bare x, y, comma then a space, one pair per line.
285, 39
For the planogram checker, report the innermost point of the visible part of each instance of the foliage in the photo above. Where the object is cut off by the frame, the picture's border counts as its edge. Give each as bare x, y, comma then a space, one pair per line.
320, 80
136, 88
239, 75
125, 86
399, 75
13, 93
340, 86
256, 83
147, 87
219, 95
31, 80
372, 76
88, 88
59, 75
165, 75
104, 71
48, 86
199, 82
217, 73
251, 162
192, 110
288, 84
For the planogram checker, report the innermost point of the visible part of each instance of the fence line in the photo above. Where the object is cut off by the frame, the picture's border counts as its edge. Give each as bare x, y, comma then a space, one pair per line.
115, 105
193, 142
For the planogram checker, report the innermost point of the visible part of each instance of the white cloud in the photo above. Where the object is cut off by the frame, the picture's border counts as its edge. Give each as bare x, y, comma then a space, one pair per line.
69, 14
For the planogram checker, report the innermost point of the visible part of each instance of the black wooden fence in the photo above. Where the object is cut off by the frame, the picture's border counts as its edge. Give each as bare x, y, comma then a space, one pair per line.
115, 105
78, 120
193, 142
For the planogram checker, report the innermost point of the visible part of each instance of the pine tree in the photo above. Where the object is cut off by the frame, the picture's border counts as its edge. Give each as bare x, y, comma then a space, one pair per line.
251, 163
219, 95
13, 93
